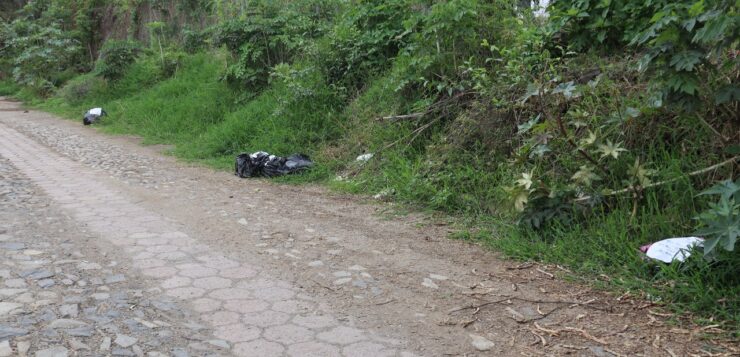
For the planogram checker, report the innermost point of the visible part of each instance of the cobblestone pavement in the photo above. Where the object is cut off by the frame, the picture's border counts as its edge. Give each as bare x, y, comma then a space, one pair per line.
180, 260
61, 295
250, 312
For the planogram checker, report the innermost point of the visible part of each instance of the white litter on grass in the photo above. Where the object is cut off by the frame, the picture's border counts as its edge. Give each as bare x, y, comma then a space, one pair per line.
673, 249
384, 194
364, 157
95, 111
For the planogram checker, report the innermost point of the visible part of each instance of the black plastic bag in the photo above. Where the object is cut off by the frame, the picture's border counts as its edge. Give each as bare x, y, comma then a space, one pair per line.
264, 164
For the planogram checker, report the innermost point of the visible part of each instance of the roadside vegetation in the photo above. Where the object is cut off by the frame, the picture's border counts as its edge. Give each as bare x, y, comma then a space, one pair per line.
572, 138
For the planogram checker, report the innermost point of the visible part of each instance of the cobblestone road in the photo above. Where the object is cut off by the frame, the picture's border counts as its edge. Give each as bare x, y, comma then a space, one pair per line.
235, 307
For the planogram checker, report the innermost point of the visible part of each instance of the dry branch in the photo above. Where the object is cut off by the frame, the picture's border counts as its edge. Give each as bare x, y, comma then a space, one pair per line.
660, 183
562, 304
402, 117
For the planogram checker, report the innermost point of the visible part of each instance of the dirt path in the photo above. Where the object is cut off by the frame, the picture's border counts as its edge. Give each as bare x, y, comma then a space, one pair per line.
267, 270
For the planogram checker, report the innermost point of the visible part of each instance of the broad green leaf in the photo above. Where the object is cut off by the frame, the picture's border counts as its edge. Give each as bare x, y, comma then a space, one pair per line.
727, 93
696, 9
585, 176
568, 90
523, 128
642, 174
725, 189
589, 140
713, 31
610, 149
520, 201
525, 181
533, 89
540, 150
686, 60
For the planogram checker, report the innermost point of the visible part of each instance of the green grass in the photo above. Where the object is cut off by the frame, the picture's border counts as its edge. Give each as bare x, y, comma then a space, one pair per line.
602, 250
8, 87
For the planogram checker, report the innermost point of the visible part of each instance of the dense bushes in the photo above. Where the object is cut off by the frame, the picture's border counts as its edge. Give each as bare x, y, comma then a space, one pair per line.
273, 34
689, 46
40, 56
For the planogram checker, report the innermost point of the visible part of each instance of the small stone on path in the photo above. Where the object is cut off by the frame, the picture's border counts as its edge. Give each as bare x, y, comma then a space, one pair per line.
105, 345
8, 307
125, 340
88, 266
5, 350
69, 310
85, 331
342, 281
429, 283
52, 352
7, 331
481, 343
77, 345
219, 343
112, 279
15, 283
46, 283
23, 347
66, 324
38, 274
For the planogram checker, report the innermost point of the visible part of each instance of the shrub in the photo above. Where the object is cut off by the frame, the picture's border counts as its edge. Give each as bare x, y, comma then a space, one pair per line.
273, 34
40, 53
689, 47
115, 57
365, 40
81, 88
194, 40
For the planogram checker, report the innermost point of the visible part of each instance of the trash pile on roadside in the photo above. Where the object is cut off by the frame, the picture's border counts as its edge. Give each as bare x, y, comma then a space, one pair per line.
93, 115
263, 164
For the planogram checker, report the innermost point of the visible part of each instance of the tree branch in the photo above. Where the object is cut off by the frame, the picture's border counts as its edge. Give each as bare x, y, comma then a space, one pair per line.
660, 183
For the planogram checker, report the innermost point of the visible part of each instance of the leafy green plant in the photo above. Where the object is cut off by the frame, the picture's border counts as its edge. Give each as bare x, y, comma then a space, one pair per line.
40, 53
586, 24
689, 47
270, 36
721, 222
362, 44
79, 89
194, 41
115, 58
